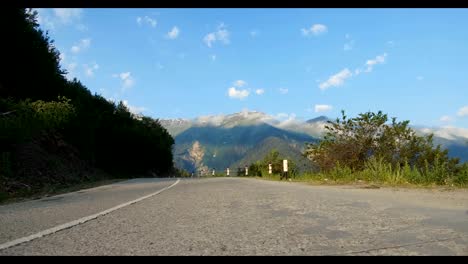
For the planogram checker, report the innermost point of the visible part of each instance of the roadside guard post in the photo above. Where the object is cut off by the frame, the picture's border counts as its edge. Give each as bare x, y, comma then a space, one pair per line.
285, 169
227, 171
269, 169
213, 173
246, 171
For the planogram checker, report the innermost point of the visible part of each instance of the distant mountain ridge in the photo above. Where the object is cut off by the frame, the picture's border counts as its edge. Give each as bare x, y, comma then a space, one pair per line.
221, 141
207, 147
318, 119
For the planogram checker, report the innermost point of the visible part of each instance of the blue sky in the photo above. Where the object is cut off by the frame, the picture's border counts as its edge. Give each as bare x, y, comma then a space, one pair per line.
301, 63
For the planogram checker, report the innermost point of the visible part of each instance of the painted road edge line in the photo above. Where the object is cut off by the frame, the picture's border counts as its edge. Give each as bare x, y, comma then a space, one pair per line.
79, 221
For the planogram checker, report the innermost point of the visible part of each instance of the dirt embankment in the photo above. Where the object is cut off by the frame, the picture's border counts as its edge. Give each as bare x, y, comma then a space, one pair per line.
42, 163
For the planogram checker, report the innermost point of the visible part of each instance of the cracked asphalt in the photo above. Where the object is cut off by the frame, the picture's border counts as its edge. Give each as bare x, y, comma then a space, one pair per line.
239, 216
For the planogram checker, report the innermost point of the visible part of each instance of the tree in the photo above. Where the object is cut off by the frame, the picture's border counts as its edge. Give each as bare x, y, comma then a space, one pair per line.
274, 159
106, 134
255, 169
33, 61
351, 142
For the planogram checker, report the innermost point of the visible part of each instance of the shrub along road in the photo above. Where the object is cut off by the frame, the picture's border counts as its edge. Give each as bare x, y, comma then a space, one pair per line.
239, 216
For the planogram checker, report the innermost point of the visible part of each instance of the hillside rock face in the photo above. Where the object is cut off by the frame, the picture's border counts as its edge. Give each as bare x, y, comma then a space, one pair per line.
195, 156
196, 153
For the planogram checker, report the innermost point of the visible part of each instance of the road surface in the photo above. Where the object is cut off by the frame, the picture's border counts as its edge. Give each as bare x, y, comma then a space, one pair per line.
238, 216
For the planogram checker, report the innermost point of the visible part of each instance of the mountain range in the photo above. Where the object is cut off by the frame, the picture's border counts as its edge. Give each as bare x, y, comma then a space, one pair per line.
231, 141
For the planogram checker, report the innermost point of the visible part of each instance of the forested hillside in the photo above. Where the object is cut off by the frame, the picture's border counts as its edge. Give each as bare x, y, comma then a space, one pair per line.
55, 131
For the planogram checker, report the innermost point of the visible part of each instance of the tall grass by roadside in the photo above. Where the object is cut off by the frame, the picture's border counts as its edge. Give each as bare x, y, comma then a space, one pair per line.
379, 172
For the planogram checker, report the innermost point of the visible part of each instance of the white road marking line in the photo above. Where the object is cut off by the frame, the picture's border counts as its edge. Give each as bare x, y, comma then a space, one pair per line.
77, 222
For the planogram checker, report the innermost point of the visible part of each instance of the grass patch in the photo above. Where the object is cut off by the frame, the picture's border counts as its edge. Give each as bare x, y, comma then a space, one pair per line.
323, 179
377, 174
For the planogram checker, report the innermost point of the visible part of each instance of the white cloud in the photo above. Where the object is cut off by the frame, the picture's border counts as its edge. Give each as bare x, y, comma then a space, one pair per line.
44, 19
336, 80
146, 19
378, 60
174, 33
315, 29
159, 66
213, 57
463, 111
260, 91
239, 83
136, 110
238, 94
70, 68
446, 118
82, 45
85, 43
350, 44
221, 34
81, 27
124, 75
127, 83
67, 15
339, 78
150, 21
62, 57
285, 119
126, 78
447, 132
209, 38
283, 90
419, 78
75, 49
322, 108
52, 18
89, 69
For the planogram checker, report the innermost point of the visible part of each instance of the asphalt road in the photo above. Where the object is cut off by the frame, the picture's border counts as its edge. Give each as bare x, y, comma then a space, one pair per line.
237, 216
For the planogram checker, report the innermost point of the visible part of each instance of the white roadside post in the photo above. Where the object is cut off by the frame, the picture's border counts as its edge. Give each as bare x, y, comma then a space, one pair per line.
246, 171
285, 168
227, 171
269, 169
213, 173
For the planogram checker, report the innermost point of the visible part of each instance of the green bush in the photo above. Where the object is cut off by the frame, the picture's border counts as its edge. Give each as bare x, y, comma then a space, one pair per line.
376, 150
53, 114
339, 172
26, 119
255, 169
461, 177
412, 175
